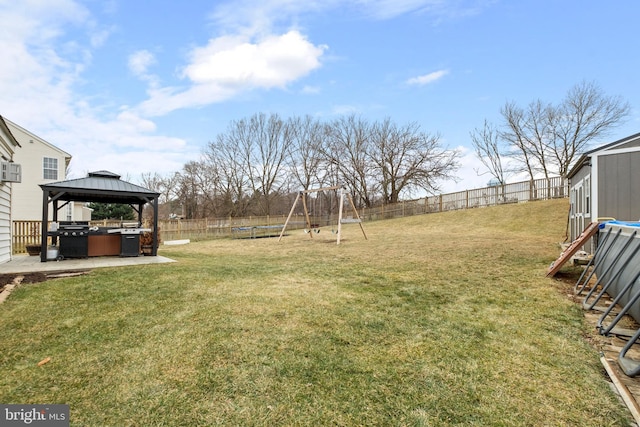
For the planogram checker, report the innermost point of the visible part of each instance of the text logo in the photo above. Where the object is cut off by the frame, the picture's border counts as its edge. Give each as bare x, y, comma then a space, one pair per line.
34, 415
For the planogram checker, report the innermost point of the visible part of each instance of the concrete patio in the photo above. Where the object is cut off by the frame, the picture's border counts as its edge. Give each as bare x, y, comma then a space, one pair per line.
32, 264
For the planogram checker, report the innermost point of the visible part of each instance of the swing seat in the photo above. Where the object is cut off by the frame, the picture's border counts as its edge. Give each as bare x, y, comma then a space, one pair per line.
350, 221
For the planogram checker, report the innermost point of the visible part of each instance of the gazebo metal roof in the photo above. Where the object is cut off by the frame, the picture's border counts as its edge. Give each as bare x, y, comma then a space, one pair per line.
98, 187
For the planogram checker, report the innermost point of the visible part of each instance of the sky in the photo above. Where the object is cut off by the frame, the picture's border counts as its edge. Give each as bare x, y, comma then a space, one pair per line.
135, 86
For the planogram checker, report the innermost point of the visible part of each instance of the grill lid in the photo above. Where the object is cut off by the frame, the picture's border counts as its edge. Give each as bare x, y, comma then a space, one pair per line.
128, 230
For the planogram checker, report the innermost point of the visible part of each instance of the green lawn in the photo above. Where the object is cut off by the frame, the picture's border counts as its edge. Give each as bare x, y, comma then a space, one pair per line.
436, 320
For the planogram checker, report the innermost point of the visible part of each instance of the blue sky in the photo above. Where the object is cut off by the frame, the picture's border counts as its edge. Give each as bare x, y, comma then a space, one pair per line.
136, 86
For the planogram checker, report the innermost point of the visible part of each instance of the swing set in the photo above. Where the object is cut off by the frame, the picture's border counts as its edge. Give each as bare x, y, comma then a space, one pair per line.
313, 228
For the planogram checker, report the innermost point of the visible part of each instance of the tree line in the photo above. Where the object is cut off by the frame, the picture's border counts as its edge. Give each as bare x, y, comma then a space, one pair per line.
259, 163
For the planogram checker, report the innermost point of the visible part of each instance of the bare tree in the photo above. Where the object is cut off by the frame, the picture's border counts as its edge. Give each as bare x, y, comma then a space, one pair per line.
264, 143
306, 163
546, 138
167, 186
347, 150
407, 159
489, 150
224, 155
189, 190
528, 133
584, 115
305, 159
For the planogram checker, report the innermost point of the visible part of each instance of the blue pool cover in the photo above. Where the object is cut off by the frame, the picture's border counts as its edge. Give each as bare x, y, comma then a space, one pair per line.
625, 223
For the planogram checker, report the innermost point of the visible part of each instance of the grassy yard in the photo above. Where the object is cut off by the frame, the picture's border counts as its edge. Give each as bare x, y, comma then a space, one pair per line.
436, 320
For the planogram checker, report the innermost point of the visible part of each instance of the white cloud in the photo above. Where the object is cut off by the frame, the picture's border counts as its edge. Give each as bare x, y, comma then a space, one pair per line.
260, 17
344, 110
37, 74
126, 143
228, 65
140, 61
474, 174
467, 175
271, 62
386, 9
46, 48
310, 90
251, 17
35, 22
132, 123
427, 78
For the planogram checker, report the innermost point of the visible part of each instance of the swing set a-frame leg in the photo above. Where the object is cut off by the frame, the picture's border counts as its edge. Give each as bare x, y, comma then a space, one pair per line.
340, 216
340, 209
355, 211
306, 215
284, 227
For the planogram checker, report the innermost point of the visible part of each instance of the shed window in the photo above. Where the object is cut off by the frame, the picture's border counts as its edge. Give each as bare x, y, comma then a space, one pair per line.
587, 195
572, 203
50, 168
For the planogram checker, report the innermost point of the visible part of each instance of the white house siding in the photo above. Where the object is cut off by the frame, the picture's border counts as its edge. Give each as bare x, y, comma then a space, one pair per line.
27, 195
7, 144
5, 222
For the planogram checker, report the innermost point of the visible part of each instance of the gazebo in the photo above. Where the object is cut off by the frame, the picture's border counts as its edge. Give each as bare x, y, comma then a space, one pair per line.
98, 187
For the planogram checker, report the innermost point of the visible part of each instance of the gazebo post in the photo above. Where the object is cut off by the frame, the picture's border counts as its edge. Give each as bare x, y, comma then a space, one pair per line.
140, 205
43, 229
154, 248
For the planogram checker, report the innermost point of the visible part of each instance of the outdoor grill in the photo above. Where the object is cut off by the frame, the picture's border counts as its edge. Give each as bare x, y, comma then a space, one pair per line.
130, 238
74, 239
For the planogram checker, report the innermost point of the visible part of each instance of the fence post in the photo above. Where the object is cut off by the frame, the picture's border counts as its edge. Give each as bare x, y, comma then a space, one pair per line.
531, 185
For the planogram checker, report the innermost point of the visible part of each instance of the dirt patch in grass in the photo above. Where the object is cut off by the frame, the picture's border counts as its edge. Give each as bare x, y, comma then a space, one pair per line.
566, 283
36, 277
8, 279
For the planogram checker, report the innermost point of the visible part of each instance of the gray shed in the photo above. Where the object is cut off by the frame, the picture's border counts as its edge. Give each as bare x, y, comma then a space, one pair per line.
98, 187
604, 184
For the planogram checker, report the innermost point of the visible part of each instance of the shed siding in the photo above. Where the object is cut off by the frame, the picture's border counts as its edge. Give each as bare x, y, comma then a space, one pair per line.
618, 185
581, 174
634, 143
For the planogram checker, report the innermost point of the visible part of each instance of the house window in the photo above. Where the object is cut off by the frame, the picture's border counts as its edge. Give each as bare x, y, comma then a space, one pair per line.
50, 168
